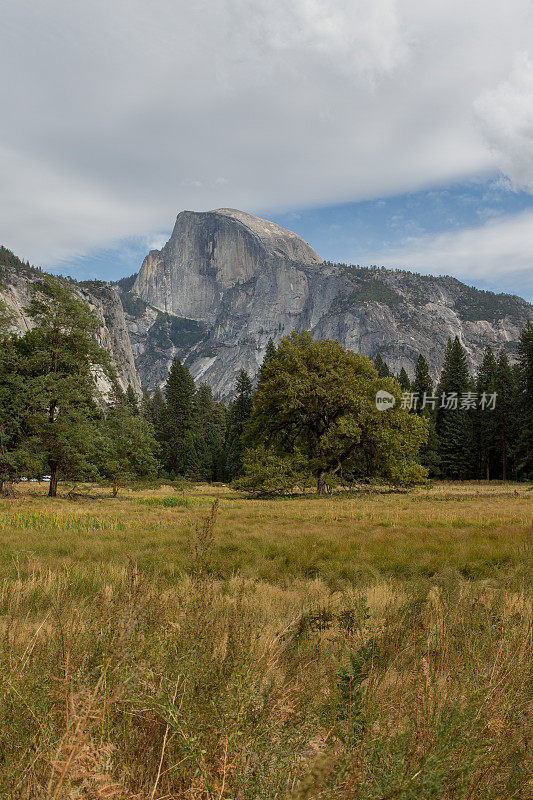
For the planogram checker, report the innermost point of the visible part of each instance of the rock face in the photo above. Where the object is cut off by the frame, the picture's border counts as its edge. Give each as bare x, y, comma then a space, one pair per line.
226, 282
113, 335
16, 291
241, 280
211, 253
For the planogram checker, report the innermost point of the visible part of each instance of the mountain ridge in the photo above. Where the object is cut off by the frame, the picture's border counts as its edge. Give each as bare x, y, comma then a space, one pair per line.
394, 312
227, 281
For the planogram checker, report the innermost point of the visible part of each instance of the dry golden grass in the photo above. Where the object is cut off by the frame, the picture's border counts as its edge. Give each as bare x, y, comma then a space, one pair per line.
372, 646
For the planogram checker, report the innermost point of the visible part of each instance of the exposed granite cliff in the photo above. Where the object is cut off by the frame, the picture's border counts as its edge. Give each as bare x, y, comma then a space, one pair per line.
210, 253
226, 282
242, 280
113, 335
16, 291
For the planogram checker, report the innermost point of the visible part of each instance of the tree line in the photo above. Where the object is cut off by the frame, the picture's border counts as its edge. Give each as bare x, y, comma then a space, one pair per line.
480, 426
311, 416
63, 414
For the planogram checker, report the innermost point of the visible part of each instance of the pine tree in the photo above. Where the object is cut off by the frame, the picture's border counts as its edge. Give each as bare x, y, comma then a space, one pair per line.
19, 449
422, 385
179, 453
239, 413
455, 375
270, 353
147, 408
62, 353
243, 397
454, 425
422, 388
505, 421
189, 465
211, 432
403, 380
159, 406
129, 449
158, 420
485, 422
382, 367
524, 449
131, 400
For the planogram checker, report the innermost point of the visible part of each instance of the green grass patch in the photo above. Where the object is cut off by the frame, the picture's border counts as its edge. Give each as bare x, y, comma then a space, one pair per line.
164, 502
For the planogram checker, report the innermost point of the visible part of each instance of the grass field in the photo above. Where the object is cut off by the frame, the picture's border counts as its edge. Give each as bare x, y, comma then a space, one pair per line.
196, 644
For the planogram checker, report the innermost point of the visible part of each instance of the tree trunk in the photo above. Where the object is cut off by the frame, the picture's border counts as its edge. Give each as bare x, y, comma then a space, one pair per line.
52, 491
321, 482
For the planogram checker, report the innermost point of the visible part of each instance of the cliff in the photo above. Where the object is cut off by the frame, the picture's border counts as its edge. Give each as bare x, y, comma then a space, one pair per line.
236, 280
16, 281
227, 281
209, 254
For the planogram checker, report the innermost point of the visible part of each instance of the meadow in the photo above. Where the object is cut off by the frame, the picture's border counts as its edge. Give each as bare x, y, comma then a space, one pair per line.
195, 644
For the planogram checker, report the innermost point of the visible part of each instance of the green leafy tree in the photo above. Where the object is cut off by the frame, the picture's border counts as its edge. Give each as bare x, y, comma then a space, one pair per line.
317, 401
265, 472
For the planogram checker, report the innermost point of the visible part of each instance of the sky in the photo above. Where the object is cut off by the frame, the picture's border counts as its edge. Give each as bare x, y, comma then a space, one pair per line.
394, 132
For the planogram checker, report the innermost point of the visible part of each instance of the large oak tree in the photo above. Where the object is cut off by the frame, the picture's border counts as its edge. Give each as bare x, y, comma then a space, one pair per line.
317, 400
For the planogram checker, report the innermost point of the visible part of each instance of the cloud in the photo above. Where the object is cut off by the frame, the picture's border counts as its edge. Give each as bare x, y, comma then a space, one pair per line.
360, 38
506, 118
156, 241
497, 255
117, 115
50, 210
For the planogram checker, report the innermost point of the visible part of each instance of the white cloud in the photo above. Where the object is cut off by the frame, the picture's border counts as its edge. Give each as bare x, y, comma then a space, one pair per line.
156, 241
117, 115
506, 116
497, 255
362, 38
